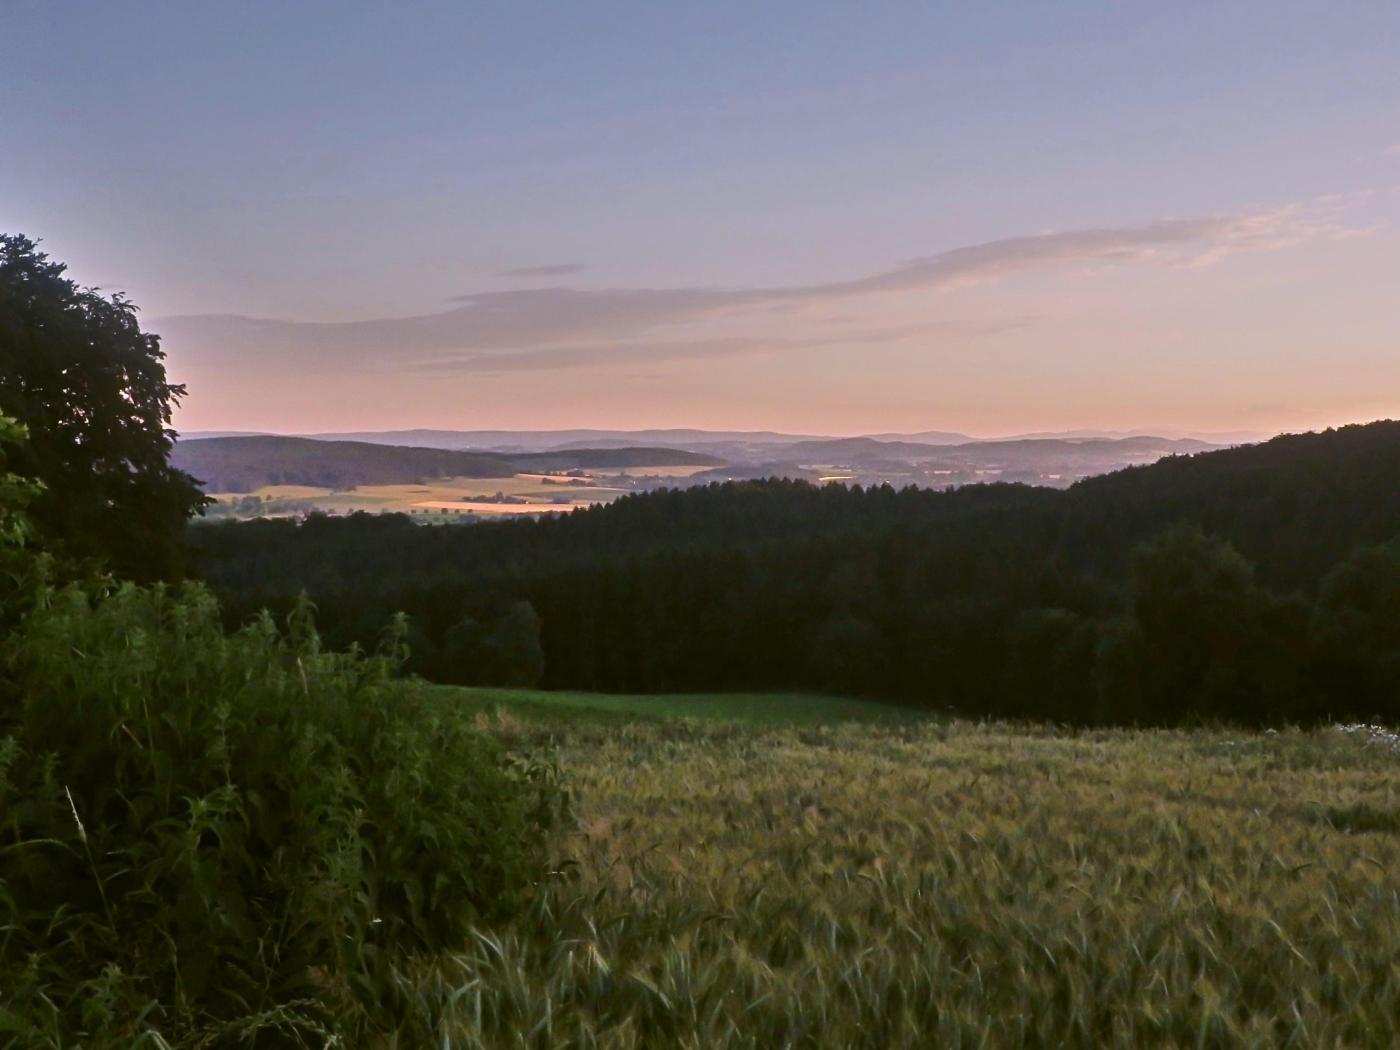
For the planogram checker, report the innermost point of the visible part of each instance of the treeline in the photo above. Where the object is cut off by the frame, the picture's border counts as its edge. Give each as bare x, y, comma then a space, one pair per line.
1256, 584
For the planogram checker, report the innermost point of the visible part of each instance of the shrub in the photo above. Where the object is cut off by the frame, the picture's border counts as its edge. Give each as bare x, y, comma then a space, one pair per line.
20, 567
212, 839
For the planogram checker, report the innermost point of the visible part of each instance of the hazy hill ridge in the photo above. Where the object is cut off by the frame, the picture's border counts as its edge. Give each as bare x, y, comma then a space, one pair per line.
856, 448
243, 464
697, 440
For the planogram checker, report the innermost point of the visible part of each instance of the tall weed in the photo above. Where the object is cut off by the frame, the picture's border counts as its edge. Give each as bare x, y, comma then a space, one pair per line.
211, 839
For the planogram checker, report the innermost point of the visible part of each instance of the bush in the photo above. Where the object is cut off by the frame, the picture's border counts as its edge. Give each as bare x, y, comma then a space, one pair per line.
211, 839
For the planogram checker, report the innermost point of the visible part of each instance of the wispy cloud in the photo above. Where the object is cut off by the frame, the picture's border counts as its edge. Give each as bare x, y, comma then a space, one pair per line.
647, 351
1281, 228
555, 270
561, 327
1393, 151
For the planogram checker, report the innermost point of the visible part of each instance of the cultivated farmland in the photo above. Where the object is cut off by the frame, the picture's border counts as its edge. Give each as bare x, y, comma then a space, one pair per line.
950, 884
486, 497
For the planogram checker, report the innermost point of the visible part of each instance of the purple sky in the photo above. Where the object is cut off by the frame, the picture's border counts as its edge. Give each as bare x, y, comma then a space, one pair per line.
802, 216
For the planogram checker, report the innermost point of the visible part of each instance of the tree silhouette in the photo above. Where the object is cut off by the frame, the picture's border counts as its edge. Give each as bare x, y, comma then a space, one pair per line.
77, 370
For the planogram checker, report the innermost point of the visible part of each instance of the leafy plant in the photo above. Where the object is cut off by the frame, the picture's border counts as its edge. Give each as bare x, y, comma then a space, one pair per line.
20, 567
211, 838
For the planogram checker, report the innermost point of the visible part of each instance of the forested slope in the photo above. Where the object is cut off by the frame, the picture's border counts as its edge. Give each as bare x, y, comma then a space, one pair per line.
1001, 598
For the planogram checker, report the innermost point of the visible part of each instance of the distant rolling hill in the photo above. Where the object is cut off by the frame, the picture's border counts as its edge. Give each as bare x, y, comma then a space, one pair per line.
245, 464
759, 443
549, 440
855, 450
1041, 461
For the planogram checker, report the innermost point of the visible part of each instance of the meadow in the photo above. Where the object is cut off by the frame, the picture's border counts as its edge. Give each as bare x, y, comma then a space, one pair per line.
809, 879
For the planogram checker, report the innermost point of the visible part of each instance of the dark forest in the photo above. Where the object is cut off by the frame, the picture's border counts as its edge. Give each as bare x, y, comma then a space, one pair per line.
1259, 584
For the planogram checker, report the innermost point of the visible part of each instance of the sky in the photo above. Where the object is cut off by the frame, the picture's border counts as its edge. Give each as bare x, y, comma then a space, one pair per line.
813, 217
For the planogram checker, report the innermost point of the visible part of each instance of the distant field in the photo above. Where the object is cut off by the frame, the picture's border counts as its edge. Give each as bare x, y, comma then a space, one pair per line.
464, 494
283, 492
443, 498
848, 880
555, 480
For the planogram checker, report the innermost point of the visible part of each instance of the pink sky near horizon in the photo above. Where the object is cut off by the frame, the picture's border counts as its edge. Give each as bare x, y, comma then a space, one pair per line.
1214, 334
797, 216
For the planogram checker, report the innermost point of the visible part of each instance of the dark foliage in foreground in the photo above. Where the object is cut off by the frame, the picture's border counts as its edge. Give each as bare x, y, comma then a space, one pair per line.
1251, 584
77, 370
214, 839
206, 839
237, 836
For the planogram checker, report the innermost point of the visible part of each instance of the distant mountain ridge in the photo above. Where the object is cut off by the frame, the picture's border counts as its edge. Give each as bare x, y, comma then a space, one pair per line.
744, 445
859, 448
247, 463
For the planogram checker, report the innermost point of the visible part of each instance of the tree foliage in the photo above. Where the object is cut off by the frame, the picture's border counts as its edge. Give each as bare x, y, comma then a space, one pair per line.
505, 652
229, 839
77, 370
20, 567
1200, 638
1356, 629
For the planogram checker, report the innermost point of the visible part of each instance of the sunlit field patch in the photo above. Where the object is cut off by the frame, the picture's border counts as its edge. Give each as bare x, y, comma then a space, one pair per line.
467, 495
946, 884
